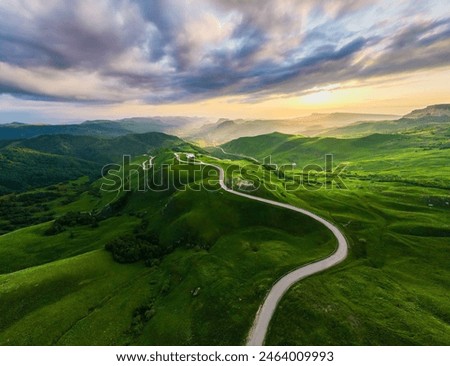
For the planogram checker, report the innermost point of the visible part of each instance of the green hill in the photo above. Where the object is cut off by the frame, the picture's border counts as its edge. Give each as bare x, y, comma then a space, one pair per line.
189, 264
22, 169
395, 211
46, 160
216, 256
304, 150
402, 157
17, 131
99, 149
98, 128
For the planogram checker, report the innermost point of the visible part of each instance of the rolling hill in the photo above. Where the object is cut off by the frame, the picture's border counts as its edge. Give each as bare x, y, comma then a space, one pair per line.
300, 149
394, 157
218, 256
226, 130
50, 159
211, 260
189, 264
98, 128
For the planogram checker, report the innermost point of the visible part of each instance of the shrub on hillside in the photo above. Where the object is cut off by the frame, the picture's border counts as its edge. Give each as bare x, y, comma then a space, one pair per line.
130, 249
141, 316
72, 219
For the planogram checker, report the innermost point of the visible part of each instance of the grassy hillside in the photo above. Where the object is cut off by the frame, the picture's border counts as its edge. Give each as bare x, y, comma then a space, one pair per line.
97, 128
46, 160
22, 168
393, 289
395, 212
388, 157
222, 253
97, 149
310, 149
199, 261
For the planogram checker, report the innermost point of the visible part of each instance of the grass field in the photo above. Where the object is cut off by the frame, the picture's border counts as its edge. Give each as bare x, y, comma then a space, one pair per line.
421, 159
393, 288
59, 289
222, 253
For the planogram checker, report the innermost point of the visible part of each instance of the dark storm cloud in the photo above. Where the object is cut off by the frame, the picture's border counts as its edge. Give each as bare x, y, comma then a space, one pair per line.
163, 51
25, 52
416, 47
27, 95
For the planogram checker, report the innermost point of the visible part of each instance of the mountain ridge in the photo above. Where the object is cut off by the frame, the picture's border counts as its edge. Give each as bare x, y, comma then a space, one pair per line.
434, 116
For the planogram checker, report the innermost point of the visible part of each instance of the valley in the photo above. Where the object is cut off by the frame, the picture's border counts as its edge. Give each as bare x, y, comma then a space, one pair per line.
192, 263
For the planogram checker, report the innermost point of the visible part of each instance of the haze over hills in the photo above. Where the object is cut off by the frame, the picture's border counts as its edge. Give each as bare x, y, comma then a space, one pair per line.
224, 173
105, 128
196, 128
226, 130
199, 130
73, 154
190, 249
215, 255
435, 116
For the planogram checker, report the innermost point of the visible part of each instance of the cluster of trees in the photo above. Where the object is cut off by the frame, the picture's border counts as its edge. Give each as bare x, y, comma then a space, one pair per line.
144, 244
190, 240
17, 211
72, 219
141, 316
135, 248
32, 198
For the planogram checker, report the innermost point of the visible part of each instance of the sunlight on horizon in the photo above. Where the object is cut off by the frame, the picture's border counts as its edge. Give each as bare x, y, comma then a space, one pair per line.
397, 96
216, 60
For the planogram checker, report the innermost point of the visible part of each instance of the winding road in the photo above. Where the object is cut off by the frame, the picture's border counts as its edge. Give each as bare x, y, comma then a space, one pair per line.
240, 155
149, 162
260, 326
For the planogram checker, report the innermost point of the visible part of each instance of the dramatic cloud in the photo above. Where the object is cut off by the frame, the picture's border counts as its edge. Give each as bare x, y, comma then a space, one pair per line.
162, 51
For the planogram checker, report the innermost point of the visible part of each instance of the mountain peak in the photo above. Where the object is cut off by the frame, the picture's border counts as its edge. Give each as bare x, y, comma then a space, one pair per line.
225, 124
437, 110
14, 124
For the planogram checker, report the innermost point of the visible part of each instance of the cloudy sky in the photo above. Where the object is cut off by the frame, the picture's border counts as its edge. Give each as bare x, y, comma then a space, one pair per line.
72, 60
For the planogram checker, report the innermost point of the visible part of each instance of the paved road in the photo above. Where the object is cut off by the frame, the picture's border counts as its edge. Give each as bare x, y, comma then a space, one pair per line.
260, 326
240, 155
149, 162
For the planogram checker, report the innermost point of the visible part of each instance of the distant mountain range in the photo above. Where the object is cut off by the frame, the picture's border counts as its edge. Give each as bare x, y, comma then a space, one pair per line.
198, 130
226, 130
435, 116
438, 110
103, 128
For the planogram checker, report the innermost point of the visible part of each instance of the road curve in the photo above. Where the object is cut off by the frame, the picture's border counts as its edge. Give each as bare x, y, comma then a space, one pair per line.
240, 155
150, 163
260, 326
